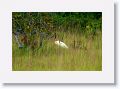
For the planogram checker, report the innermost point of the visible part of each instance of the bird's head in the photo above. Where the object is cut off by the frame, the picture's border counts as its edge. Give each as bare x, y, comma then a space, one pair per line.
57, 42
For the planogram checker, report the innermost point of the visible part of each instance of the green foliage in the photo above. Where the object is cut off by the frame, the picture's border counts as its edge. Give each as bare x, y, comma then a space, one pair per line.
52, 21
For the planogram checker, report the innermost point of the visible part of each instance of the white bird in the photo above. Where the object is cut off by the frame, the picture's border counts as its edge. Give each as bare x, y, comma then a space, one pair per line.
61, 44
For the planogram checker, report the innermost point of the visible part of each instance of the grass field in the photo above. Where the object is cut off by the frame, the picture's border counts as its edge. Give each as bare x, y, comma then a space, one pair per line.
84, 55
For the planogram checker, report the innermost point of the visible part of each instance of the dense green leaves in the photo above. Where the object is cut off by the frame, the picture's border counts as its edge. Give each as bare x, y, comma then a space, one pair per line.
62, 21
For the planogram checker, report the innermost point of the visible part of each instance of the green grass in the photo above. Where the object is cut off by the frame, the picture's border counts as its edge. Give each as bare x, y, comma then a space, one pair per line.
86, 56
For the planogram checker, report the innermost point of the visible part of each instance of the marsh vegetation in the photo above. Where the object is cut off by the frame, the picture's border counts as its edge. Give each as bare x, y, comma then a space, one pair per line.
35, 33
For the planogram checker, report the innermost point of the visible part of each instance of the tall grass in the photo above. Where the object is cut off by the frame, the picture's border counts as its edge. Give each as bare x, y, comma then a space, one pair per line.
85, 56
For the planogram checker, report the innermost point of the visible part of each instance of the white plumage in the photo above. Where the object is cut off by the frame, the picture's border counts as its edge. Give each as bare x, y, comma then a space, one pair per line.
61, 44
